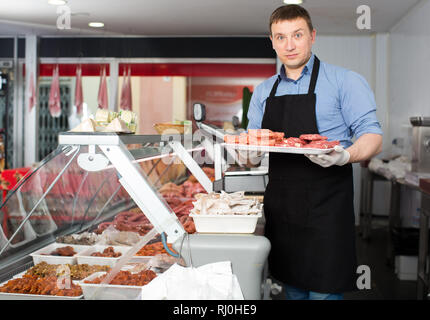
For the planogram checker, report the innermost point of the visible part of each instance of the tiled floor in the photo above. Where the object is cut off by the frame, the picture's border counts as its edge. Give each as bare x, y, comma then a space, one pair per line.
384, 283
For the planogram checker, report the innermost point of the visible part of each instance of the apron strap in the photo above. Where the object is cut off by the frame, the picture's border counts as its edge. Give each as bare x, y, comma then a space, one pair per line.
312, 84
275, 86
314, 75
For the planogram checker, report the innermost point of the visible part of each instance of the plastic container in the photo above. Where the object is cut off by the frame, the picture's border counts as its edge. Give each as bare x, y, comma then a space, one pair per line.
43, 254
85, 256
25, 296
108, 291
212, 223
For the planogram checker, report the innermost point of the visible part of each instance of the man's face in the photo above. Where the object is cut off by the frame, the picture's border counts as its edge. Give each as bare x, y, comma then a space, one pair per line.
292, 40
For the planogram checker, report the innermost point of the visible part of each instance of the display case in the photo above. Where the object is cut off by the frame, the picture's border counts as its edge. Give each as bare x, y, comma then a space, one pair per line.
96, 181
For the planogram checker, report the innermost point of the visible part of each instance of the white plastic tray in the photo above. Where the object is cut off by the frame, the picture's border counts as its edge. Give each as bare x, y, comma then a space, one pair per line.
40, 255
216, 223
251, 147
108, 291
24, 296
85, 256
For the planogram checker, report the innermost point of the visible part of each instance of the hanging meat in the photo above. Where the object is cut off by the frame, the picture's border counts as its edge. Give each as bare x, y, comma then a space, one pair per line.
79, 99
126, 103
102, 98
54, 95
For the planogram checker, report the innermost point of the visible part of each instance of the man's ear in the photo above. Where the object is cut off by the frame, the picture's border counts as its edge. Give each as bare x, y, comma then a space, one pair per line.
314, 34
271, 39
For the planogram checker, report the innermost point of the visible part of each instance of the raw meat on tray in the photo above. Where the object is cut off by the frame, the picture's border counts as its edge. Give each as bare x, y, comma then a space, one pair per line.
266, 137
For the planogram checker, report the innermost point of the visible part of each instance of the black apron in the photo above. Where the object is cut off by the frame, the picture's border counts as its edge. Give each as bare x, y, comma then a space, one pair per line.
309, 209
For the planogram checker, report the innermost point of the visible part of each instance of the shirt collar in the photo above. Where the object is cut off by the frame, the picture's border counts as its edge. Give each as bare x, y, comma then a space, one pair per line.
306, 70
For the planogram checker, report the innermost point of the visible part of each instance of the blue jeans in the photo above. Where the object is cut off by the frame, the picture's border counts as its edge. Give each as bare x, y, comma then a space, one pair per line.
293, 293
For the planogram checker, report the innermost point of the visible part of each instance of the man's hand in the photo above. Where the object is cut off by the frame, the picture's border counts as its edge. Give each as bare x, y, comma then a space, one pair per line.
337, 157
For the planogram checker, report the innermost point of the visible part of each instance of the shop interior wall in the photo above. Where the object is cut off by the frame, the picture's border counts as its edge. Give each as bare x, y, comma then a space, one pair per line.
360, 54
409, 67
123, 47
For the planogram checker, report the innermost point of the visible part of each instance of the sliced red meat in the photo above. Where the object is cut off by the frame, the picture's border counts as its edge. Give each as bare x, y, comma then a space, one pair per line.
259, 133
231, 139
321, 144
261, 142
312, 137
243, 138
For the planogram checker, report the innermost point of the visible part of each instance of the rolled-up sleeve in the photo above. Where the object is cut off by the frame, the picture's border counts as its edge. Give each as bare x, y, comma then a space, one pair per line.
358, 105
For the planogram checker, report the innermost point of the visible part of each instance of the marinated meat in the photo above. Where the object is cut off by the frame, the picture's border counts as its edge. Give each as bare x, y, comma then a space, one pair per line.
153, 249
67, 251
109, 252
30, 284
77, 271
129, 279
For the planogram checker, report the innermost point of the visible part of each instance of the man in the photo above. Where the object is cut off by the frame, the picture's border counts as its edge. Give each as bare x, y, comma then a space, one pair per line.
308, 202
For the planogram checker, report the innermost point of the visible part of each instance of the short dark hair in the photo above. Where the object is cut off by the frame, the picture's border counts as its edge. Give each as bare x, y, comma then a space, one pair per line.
290, 12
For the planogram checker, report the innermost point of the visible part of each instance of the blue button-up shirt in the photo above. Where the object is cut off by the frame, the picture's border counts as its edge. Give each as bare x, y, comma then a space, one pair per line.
345, 104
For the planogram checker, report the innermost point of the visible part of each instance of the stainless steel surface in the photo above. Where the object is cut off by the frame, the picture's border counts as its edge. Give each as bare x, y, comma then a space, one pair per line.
420, 121
247, 183
421, 149
423, 252
247, 253
112, 138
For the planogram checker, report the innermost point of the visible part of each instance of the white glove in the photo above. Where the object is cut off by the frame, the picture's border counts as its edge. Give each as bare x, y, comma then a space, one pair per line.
337, 157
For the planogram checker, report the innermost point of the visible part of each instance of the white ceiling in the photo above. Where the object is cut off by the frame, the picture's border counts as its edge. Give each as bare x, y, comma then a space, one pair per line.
190, 17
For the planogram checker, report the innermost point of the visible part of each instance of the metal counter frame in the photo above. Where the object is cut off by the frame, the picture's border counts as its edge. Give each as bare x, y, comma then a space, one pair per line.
423, 275
368, 177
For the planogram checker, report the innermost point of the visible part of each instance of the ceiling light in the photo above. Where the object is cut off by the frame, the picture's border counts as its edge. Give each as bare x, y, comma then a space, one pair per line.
96, 24
57, 2
293, 1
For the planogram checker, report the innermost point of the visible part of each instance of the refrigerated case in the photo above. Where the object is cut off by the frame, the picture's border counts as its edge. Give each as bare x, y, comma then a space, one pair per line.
92, 177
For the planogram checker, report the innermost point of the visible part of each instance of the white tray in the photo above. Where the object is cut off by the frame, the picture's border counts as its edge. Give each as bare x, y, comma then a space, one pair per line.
251, 147
217, 223
108, 291
39, 255
85, 256
24, 296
